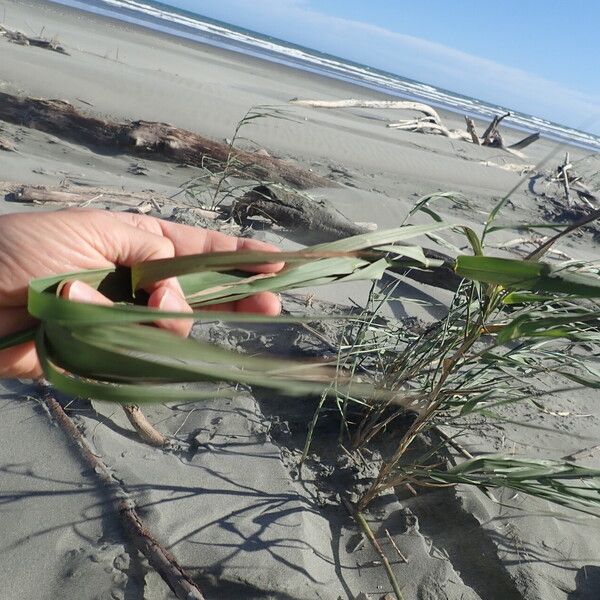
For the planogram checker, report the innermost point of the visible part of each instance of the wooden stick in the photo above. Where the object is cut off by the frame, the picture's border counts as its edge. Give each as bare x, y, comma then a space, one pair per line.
391, 539
145, 429
180, 583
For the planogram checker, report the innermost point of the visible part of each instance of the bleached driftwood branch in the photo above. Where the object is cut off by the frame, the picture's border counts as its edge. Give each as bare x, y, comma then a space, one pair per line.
425, 126
354, 103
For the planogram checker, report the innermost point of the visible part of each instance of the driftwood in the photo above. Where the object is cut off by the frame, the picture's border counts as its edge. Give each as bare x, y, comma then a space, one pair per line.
354, 103
324, 221
6, 146
491, 133
294, 211
471, 131
425, 126
147, 432
18, 37
180, 583
526, 141
431, 123
151, 140
563, 176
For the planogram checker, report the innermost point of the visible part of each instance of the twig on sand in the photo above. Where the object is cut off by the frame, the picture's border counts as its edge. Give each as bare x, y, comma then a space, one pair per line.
181, 584
366, 529
145, 429
393, 543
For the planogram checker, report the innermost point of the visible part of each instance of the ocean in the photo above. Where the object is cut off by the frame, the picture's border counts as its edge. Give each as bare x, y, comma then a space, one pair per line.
168, 19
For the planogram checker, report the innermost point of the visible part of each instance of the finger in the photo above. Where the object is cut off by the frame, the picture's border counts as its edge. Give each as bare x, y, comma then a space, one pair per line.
20, 362
77, 291
263, 303
193, 240
15, 319
164, 298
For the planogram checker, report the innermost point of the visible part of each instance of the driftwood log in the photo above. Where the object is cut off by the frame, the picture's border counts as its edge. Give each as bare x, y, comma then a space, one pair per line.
323, 221
18, 37
354, 103
294, 211
151, 140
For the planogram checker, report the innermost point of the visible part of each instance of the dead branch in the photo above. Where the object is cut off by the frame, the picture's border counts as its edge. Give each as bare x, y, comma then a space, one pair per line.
492, 129
526, 141
180, 583
354, 103
563, 176
145, 429
425, 126
159, 141
18, 37
471, 131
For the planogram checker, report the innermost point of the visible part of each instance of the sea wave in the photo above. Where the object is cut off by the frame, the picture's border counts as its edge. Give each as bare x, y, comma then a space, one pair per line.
190, 25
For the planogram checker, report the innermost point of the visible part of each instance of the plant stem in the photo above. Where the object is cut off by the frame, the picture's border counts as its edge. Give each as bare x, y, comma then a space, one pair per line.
362, 522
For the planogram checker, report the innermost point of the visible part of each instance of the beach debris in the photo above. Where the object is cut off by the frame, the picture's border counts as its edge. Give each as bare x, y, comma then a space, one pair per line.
295, 211
80, 196
161, 560
145, 429
152, 140
566, 176
18, 37
471, 131
6, 146
563, 181
431, 122
519, 168
355, 103
322, 222
137, 169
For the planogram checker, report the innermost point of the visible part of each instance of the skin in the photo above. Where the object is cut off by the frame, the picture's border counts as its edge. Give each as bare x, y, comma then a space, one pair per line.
46, 243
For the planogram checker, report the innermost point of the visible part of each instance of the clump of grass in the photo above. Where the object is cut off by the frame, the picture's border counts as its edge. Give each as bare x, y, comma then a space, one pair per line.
223, 182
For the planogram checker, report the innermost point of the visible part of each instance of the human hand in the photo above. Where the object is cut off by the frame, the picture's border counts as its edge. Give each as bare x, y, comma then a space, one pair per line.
41, 244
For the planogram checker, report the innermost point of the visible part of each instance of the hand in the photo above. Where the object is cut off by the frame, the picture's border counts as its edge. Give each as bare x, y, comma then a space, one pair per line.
46, 243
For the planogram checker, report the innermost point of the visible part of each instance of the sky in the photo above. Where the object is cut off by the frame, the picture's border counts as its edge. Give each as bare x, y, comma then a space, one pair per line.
536, 56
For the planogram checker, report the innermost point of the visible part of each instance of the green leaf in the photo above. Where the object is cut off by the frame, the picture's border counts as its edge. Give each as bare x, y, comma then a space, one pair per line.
527, 275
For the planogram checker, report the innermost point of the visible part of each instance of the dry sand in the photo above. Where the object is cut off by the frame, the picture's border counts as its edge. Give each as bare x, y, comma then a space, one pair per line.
227, 500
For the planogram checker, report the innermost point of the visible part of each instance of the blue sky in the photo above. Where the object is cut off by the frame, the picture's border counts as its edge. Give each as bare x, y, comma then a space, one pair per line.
537, 56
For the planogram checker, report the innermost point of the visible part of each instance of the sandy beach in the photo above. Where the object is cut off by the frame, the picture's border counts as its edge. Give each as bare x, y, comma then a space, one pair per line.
226, 498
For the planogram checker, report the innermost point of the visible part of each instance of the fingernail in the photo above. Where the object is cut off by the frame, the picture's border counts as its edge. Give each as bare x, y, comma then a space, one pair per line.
81, 292
172, 302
